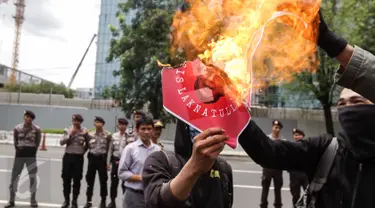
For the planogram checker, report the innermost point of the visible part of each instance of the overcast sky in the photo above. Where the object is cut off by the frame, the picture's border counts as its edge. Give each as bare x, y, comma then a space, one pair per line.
55, 35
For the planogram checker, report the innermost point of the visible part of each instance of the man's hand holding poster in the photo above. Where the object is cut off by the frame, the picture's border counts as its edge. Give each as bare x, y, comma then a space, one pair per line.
202, 97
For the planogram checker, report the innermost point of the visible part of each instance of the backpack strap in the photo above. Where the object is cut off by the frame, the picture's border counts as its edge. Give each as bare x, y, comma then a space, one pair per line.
324, 166
174, 162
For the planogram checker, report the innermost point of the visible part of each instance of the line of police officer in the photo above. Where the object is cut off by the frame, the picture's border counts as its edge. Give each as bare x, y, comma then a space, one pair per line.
298, 180
104, 152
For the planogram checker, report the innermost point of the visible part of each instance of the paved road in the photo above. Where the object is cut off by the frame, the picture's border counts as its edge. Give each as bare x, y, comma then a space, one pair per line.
246, 179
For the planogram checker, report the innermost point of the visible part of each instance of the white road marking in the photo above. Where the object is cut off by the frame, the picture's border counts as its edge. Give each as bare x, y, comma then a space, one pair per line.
23, 203
257, 187
60, 160
39, 158
248, 171
252, 163
4, 171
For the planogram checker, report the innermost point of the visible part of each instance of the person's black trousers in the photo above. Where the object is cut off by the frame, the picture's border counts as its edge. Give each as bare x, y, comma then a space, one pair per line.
297, 181
24, 156
114, 177
96, 163
277, 177
72, 168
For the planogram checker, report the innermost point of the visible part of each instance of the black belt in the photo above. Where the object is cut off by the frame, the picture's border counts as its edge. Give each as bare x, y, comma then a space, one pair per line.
97, 155
134, 190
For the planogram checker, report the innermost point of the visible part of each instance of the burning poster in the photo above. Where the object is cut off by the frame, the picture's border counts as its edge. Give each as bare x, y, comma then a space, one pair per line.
203, 97
244, 45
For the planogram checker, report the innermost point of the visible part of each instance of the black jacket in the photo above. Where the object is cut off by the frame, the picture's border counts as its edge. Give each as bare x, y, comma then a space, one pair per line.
157, 175
349, 184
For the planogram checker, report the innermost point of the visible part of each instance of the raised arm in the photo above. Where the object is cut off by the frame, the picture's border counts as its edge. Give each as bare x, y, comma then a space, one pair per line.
283, 155
357, 71
65, 138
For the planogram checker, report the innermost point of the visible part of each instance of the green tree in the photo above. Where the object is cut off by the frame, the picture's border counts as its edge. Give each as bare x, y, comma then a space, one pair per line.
345, 19
43, 88
138, 45
320, 86
107, 92
367, 26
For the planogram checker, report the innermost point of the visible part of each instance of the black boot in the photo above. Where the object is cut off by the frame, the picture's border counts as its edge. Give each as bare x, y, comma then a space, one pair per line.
74, 203
9, 205
11, 200
112, 204
103, 204
88, 204
33, 202
65, 204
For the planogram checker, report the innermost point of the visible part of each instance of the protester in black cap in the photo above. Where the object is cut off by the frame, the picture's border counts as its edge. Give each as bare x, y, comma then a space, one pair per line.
269, 174
117, 145
27, 137
98, 160
298, 179
75, 138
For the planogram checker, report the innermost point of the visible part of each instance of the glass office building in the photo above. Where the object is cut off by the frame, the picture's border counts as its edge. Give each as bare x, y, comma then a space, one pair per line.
103, 70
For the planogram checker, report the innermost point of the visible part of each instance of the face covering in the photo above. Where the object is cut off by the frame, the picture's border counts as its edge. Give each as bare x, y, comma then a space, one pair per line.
193, 132
358, 122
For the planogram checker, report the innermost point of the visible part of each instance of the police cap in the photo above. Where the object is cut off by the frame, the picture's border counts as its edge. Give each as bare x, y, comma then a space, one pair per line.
277, 123
100, 119
29, 113
77, 117
122, 121
298, 131
158, 124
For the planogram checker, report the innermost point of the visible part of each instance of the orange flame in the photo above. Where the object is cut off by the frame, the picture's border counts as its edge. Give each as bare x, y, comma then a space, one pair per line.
251, 40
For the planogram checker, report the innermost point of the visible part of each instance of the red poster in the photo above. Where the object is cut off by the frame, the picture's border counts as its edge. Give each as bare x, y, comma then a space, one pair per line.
193, 93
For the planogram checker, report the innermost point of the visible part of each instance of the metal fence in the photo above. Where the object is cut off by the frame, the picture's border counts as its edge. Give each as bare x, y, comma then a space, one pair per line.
55, 100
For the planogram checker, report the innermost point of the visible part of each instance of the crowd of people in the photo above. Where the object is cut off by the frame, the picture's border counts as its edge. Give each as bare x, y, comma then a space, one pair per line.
104, 153
336, 172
